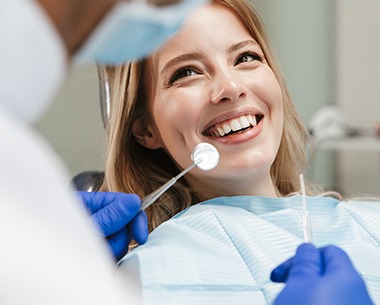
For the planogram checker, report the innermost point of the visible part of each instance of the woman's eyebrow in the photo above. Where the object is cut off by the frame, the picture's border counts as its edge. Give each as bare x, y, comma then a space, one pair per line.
194, 56
242, 44
179, 59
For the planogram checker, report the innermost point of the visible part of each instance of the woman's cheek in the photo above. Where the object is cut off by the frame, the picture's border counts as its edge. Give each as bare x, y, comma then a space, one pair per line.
188, 101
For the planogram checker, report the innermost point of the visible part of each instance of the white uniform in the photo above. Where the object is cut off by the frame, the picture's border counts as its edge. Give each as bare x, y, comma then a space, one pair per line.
49, 251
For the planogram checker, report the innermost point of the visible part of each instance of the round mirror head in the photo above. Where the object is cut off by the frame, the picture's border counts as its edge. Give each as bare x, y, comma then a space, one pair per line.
205, 156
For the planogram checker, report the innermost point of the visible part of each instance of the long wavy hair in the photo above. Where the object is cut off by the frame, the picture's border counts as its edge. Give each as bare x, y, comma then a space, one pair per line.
132, 168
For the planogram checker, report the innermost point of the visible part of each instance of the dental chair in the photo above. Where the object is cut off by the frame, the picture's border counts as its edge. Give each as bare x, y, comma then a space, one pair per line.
90, 181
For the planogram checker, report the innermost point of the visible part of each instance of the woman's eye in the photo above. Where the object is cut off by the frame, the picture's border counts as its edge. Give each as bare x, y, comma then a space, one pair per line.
247, 57
181, 73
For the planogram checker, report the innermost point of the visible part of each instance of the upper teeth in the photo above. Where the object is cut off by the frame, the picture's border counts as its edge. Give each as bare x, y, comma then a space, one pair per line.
235, 125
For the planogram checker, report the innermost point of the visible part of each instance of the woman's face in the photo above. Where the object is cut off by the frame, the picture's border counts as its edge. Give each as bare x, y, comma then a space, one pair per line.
211, 83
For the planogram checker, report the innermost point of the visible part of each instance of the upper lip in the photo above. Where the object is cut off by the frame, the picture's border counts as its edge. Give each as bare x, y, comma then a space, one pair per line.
230, 115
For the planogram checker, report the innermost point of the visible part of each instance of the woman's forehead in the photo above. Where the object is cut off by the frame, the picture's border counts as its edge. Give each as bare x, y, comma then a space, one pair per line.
210, 26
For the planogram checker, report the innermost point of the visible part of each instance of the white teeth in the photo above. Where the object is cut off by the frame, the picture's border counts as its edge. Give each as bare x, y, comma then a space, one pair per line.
244, 122
235, 125
221, 131
252, 120
226, 128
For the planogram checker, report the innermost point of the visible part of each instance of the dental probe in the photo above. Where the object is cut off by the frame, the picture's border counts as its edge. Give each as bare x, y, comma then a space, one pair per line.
204, 155
306, 217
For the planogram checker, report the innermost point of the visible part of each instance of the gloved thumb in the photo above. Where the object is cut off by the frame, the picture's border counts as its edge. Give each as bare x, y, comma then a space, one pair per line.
306, 263
336, 260
139, 228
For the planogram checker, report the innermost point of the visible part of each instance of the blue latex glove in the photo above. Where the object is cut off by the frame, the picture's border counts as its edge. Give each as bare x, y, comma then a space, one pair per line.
323, 276
118, 218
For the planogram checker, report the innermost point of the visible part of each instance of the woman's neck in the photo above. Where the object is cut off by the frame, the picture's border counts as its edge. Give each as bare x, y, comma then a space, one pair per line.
211, 188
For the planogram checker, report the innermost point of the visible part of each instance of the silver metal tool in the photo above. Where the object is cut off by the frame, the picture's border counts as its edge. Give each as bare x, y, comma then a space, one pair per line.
204, 155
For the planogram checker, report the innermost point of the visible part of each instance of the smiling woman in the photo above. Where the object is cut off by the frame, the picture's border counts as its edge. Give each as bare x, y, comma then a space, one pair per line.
216, 81
205, 88
221, 77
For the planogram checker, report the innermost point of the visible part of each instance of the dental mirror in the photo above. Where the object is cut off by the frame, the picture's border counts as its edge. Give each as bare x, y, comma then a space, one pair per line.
204, 155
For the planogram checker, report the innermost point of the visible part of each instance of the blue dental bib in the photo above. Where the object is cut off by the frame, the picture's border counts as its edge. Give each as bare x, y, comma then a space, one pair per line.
222, 251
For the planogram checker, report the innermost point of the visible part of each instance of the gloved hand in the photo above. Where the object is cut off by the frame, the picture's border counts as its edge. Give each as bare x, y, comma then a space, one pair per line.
118, 218
323, 276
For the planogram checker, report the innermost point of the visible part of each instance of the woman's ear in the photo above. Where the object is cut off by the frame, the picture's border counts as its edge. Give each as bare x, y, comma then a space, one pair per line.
144, 135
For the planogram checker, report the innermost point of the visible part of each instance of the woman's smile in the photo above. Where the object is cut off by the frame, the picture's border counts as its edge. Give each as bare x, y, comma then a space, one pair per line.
234, 128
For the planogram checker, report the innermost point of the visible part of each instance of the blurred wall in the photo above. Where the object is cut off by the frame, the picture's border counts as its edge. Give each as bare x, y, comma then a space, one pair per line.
303, 36
73, 123
358, 91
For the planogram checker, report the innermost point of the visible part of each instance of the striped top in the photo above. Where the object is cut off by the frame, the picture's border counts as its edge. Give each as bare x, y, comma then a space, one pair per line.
222, 251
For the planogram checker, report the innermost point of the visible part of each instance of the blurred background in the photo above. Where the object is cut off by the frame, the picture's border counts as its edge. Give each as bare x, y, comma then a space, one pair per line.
328, 51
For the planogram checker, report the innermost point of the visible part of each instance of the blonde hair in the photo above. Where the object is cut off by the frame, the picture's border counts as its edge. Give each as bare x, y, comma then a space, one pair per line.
132, 168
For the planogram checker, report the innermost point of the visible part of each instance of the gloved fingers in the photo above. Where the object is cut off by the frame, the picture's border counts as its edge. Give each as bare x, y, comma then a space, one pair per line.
116, 215
95, 201
87, 199
339, 268
307, 263
138, 228
336, 260
281, 272
119, 243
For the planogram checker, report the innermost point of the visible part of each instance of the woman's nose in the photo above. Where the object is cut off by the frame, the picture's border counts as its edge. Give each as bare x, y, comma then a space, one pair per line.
226, 87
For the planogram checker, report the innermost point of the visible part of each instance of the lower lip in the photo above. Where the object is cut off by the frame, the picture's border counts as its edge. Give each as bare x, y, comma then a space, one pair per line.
245, 136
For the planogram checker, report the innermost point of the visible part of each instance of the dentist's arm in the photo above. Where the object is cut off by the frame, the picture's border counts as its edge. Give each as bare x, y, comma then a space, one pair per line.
118, 219
323, 276
75, 19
